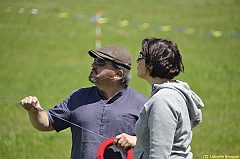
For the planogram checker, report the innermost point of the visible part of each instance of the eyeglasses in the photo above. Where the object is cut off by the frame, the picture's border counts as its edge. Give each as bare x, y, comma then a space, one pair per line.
98, 61
140, 56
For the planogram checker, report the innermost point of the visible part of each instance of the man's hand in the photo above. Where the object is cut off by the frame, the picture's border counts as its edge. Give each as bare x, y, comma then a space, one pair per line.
31, 104
125, 141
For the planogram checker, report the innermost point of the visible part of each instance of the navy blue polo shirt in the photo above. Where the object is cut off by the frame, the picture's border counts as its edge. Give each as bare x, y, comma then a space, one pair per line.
88, 108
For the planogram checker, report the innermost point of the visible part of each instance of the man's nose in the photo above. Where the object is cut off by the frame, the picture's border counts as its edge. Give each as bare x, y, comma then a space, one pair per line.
94, 65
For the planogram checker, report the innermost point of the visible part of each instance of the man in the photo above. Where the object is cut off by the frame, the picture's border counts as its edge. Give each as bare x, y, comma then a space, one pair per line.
109, 109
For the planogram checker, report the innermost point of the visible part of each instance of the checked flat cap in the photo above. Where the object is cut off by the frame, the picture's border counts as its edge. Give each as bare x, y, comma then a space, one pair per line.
115, 53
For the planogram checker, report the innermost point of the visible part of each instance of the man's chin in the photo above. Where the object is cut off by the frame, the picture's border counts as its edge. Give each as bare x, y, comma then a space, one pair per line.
92, 79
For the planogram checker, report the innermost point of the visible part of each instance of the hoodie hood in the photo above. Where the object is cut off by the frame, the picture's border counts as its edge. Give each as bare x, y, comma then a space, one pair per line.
193, 101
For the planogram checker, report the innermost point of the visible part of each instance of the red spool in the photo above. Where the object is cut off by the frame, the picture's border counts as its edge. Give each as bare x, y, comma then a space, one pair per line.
109, 142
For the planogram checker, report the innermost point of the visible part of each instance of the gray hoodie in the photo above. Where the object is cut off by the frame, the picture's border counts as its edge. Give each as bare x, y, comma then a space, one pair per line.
164, 129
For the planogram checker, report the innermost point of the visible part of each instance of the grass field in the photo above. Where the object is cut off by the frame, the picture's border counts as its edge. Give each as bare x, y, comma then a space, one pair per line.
45, 55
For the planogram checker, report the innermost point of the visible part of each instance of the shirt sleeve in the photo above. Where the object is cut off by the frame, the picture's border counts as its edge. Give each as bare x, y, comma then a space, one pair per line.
58, 114
162, 125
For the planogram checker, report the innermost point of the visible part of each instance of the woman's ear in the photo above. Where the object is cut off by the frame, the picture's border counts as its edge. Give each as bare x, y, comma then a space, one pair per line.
149, 67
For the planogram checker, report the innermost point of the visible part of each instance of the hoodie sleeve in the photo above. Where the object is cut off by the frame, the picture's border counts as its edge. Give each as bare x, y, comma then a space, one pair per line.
162, 123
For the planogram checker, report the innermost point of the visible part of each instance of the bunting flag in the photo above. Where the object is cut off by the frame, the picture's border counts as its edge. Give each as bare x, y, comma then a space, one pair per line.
142, 26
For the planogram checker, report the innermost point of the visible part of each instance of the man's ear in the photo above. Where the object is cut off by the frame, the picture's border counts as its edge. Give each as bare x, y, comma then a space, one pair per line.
119, 74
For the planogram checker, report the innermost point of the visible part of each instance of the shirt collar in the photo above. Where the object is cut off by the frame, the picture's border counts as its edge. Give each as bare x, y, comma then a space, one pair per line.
115, 97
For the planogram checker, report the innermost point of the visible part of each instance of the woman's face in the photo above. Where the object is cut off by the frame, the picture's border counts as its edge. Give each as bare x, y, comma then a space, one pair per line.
142, 71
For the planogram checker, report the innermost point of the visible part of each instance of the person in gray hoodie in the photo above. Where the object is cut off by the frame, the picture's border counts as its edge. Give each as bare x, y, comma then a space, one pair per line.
164, 128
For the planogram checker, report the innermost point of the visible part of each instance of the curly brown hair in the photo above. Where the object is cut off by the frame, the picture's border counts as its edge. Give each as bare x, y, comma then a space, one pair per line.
163, 56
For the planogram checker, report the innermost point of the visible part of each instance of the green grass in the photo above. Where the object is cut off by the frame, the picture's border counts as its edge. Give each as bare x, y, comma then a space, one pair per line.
46, 56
